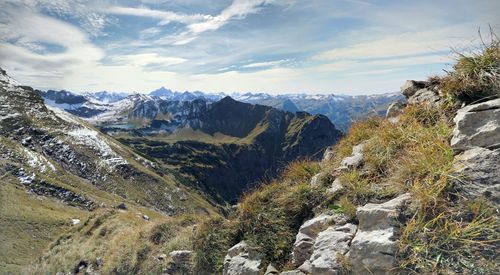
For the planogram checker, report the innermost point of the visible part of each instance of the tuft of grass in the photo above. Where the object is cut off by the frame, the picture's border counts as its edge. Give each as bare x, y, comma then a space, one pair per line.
476, 74
359, 131
301, 170
162, 233
212, 240
455, 240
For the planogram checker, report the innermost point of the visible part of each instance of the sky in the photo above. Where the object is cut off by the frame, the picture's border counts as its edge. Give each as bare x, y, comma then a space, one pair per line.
273, 46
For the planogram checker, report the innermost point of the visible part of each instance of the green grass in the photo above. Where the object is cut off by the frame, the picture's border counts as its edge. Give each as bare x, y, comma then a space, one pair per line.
476, 74
267, 218
28, 224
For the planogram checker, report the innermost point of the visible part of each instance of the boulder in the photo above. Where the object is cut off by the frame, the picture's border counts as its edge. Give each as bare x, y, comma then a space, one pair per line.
316, 179
373, 248
122, 206
479, 172
305, 267
477, 125
374, 216
313, 226
336, 187
328, 154
242, 259
302, 248
304, 241
293, 272
271, 270
356, 159
329, 244
426, 96
411, 86
395, 109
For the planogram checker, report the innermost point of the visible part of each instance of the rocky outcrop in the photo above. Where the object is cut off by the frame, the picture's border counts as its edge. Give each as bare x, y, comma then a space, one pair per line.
395, 109
373, 247
242, 259
304, 241
355, 160
329, 245
44, 188
476, 137
477, 125
411, 87
422, 92
479, 173
325, 243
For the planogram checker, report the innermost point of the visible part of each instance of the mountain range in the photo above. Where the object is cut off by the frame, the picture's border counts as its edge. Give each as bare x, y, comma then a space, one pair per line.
342, 110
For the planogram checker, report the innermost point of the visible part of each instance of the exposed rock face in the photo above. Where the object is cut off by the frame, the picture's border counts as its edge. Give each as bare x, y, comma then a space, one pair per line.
329, 244
328, 155
426, 96
395, 109
356, 159
44, 188
476, 137
374, 245
411, 87
480, 170
242, 259
316, 179
304, 241
292, 272
271, 270
422, 92
477, 125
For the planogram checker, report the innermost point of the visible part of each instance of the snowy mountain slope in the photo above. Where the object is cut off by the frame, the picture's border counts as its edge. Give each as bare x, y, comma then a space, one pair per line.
115, 108
51, 142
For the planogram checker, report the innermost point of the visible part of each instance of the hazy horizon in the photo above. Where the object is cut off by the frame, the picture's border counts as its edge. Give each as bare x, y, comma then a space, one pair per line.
349, 47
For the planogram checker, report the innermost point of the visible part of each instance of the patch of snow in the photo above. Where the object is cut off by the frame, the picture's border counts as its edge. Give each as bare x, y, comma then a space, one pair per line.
63, 114
8, 80
25, 178
7, 116
35, 160
93, 140
64, 106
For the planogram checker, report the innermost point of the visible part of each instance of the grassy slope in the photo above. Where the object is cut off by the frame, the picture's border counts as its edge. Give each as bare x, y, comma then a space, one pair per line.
28, 224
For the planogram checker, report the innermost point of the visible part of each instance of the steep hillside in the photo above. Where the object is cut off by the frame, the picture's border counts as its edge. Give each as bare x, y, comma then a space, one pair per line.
227, 146
55, 168
414, 193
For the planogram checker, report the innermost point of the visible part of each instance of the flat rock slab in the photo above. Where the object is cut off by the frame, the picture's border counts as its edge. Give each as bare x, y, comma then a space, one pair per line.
479, 172
329, 244
477, 125
373, 247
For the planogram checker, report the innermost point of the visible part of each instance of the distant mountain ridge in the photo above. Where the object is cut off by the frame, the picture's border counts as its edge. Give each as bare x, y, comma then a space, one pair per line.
214, 143
342, 110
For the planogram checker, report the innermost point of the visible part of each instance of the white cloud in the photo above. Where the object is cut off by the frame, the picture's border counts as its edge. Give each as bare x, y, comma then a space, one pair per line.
149, 32
165, 17
404, 44
146, 59
265, 64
